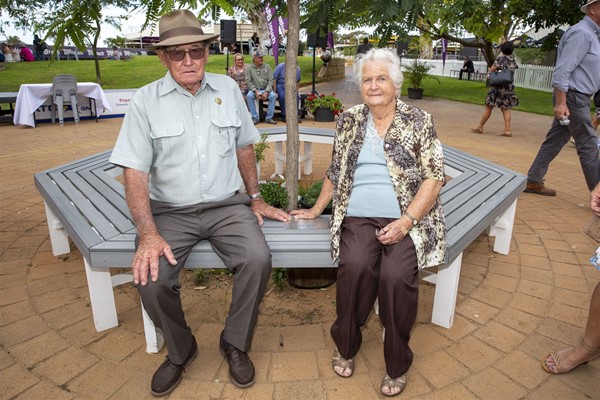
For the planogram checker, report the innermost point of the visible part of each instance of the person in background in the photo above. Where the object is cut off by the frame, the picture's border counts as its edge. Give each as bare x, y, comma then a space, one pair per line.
364, 46
588, 348
186, 148
237, 72
16, 53
575, 80
259, 78
27, 54
503, 97
8, 57
467, 67
279, 77
253, 43
386, 172
40, 47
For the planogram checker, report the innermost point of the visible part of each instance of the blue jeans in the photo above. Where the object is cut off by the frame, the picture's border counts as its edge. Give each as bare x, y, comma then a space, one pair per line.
251, 100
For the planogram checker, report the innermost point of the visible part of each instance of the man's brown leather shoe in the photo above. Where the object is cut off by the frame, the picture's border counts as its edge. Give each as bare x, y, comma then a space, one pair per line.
168, 375
241, 369
539, 188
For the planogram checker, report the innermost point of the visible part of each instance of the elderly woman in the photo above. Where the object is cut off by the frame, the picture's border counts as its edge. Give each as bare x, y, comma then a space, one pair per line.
384, 178
237, 72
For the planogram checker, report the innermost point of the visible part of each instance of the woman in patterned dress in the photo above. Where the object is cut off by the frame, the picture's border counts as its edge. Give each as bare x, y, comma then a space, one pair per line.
385, 177
504, 96
237, 72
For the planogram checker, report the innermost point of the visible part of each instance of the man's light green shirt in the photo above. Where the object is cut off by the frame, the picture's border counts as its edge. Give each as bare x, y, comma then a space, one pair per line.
187, 143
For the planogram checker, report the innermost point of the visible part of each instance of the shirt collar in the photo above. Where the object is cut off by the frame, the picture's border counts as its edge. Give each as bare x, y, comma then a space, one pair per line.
168, 84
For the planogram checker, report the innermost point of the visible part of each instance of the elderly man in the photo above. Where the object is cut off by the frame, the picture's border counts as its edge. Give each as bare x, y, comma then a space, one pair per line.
186, 146
575, 80
259, 77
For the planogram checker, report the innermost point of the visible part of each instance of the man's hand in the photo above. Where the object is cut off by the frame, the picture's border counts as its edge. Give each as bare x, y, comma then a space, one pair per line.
262, 209
595, 200
151, 247
265, 95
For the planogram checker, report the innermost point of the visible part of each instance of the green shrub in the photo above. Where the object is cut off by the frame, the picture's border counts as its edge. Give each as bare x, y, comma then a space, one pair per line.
274, 194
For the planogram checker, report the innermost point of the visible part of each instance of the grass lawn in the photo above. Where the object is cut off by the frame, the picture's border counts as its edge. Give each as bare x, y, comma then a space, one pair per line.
142, 70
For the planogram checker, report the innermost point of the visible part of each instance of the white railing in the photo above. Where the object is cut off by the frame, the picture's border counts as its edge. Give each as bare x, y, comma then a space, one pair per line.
536, 77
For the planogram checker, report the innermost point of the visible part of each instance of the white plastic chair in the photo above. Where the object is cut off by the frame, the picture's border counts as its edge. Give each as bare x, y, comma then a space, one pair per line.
64, 91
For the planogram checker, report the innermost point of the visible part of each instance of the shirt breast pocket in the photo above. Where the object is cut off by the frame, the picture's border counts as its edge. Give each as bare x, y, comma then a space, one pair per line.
170, 147
226, 127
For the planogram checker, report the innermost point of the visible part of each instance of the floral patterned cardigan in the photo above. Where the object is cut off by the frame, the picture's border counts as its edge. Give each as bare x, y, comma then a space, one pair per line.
413, 153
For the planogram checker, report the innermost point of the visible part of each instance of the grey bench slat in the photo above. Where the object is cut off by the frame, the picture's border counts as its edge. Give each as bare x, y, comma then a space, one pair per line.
96, 218
82, 234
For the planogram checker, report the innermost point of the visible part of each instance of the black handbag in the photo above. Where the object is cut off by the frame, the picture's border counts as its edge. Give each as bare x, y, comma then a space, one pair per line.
501, 77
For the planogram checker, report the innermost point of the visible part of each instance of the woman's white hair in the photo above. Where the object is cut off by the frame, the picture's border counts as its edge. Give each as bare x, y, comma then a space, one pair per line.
384, 56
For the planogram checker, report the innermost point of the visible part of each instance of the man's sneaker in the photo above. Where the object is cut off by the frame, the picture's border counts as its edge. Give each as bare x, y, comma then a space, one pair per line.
168, 375
539, 188
270, 121
254, 121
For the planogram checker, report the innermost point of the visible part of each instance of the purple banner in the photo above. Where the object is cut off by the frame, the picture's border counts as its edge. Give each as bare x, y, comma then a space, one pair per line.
273, 25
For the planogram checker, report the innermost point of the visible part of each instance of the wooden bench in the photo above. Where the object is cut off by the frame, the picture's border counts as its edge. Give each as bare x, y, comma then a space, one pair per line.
85, 202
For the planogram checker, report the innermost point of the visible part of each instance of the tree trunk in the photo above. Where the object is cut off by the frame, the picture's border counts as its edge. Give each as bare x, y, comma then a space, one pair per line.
95, 52
292, 147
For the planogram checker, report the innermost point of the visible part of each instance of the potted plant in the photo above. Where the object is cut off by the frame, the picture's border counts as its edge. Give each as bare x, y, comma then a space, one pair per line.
416, 73
310, 194
259, 151
324, 107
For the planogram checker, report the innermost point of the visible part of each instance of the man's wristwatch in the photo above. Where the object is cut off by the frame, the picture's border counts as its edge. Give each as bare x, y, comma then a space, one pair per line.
255, 196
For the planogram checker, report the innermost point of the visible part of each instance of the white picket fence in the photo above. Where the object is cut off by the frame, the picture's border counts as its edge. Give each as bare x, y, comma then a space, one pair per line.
536, 77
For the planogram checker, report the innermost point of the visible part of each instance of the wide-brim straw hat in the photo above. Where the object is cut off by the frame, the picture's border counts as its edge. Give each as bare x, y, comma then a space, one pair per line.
180, 27
585, 6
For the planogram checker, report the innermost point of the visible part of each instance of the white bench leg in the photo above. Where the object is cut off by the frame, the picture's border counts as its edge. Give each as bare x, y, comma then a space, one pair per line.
446, 290
102, 297
58, 236
307, 158
279, 158
154, 337
503, 228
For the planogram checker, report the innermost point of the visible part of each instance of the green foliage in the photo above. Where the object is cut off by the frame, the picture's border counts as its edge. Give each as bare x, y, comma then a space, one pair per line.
417, 72
530, 55
200, 277
311, 193
328, 101
274, 194
279, 277
260, 147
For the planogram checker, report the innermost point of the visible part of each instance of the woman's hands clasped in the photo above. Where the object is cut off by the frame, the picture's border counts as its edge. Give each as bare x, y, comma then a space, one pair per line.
393, 232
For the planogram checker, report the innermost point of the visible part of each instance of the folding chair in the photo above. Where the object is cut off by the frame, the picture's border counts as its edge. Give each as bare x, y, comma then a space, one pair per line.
64, 91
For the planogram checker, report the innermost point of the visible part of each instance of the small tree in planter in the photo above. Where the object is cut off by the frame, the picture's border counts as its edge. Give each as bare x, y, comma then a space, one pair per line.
259, 151
415, 74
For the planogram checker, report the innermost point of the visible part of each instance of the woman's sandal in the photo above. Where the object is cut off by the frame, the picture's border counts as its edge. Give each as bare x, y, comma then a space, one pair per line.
507, 133
477, 129
394, 386
346, 366
554, 360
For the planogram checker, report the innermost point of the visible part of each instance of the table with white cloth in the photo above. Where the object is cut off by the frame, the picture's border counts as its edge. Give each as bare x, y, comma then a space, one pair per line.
32, 96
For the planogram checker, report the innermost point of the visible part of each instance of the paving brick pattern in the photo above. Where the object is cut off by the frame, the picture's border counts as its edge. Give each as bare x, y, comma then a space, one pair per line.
511, 309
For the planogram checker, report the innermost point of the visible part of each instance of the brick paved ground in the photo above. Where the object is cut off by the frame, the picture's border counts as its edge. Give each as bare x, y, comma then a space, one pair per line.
511, 309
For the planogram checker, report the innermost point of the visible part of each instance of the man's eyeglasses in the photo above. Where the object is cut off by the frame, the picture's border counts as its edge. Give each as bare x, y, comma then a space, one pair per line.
178, 55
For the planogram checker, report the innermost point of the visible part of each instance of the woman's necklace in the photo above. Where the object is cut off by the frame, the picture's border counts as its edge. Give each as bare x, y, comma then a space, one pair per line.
386, 114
